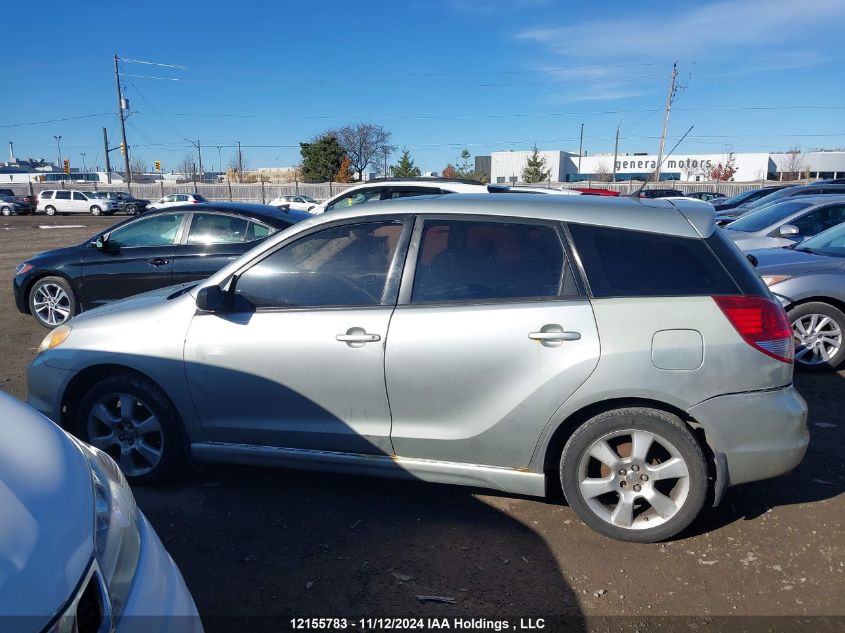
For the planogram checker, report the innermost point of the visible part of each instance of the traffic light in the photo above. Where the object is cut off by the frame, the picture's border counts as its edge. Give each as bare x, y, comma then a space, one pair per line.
158, 165
66, 167
123, 149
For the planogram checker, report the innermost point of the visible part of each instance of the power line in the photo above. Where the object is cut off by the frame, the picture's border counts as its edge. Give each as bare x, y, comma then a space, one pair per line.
69, 118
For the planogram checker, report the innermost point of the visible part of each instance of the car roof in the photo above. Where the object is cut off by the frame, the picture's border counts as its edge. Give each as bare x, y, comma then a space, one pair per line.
262, 212
681, 218
829, 198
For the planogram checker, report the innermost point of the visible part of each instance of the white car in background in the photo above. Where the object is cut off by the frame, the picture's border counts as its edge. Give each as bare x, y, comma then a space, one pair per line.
392, 188
297, 202
175, 200
76, 553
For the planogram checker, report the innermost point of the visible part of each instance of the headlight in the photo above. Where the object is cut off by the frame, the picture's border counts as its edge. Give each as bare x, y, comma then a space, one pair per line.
771, 280
20, 269
55, 338
117, 541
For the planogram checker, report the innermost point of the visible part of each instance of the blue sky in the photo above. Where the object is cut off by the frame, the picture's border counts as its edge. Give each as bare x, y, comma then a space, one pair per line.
760, 75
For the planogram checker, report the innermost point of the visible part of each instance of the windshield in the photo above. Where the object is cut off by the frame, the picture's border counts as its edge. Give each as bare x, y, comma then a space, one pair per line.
764, 218
308, 199
831, 242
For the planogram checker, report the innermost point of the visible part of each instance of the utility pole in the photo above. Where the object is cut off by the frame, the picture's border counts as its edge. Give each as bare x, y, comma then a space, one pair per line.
669, 98
122, 118
199, 155
580, 146
83, 162
219, 160
615, 153
240, 164
106, 151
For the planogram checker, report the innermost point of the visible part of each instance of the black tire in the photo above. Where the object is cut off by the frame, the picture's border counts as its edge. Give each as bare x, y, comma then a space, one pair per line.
50, 210
131, 209
148, 399
817, 348
6, 210
48, 284
95, 210
690, 491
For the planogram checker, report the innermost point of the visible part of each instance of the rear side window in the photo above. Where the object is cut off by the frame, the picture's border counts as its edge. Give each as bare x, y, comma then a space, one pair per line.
45, 195
63, 195
258, 232
623, 263
463, 260
214, 228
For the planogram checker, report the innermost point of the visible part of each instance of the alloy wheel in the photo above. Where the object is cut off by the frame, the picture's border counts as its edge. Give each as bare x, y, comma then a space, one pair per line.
127, 429
51, 304
818, 339
633, 479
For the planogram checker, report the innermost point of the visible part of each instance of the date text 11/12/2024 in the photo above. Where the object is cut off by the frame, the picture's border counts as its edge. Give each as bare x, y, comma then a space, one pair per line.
418, 624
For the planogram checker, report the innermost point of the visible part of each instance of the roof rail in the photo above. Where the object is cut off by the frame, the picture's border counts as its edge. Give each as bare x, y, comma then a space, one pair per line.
466, 181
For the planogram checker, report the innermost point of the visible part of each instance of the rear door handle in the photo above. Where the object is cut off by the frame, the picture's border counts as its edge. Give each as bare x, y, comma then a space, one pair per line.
357, 337
554, 336
158, 261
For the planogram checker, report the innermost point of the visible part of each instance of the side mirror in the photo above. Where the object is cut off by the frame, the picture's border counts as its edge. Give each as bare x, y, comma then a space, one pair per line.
211, 299
103, 244
788, 230
751, 258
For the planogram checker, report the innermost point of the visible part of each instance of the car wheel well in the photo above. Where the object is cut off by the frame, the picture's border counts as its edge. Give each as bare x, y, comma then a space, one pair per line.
88, 377
836, 303
41, 275
561, 435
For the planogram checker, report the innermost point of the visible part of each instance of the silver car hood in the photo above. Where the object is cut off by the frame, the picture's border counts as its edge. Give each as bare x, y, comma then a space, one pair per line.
46, 515
136, 302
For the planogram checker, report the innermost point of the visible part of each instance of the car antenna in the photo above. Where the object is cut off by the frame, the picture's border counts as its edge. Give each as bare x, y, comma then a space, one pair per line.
636, 194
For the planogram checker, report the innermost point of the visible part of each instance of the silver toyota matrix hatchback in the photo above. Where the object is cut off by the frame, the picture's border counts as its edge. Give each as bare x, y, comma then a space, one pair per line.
622, 350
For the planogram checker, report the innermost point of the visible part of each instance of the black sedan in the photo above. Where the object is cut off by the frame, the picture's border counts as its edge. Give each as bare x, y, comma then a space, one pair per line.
744, 198
159, 249
126, 202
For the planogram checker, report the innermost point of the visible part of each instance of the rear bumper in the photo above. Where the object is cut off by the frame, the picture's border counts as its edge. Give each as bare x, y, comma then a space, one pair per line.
761, 434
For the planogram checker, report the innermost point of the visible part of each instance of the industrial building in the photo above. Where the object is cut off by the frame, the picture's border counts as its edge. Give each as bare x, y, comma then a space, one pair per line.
507, 167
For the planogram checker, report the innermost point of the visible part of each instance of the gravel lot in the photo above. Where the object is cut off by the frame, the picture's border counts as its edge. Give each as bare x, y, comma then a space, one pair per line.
256, 542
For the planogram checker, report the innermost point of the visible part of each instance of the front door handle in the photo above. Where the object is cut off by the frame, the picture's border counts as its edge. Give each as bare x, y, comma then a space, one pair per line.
357, 337
553, 335
158, 261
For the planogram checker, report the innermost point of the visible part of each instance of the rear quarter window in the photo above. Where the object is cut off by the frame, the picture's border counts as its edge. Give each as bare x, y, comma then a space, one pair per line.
625, 263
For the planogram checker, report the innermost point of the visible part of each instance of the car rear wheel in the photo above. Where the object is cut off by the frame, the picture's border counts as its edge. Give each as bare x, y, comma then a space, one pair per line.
133, 421
52, 302
50, 210
95, 210
818, 332
634, 474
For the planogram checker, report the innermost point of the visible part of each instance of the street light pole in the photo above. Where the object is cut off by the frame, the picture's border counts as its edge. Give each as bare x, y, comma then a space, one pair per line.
59, 146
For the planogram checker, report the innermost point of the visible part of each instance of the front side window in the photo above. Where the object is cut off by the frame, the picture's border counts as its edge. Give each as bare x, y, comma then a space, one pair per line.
482, 261
409, 192
339, 266
818, 220
361, 196
624, 263
765, 218
181, 198
158, 230
214, 228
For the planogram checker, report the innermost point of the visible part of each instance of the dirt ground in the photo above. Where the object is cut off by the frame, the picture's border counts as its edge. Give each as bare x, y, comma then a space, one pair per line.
253, 543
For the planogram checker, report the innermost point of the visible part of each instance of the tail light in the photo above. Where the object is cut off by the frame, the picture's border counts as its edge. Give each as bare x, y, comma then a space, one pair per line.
762, 323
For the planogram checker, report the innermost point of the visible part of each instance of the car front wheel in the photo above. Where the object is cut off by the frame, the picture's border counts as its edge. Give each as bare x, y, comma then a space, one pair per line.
634, 474
817, 329
95, 210
6, 210
132, 420
52, 301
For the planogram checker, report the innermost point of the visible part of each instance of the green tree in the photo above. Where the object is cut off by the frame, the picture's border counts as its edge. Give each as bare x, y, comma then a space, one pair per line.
405, 168
465, 168
321, 158
535, 170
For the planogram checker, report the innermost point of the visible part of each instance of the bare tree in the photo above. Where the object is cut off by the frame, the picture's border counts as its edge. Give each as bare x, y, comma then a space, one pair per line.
603, 173
795, 165
364, 143
236, 168
138, 167
187, 167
